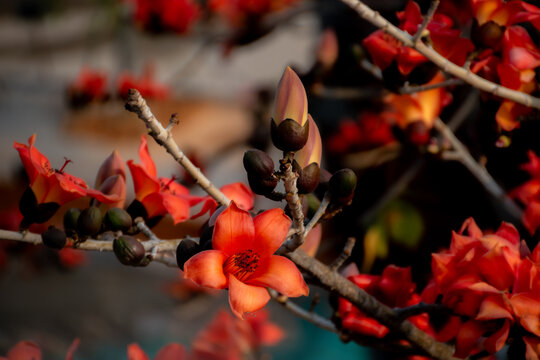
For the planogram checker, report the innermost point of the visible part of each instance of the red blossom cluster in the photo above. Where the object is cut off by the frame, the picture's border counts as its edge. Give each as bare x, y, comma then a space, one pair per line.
503, 50
166, 15
91, 86
491, 283
225, 338
394, 288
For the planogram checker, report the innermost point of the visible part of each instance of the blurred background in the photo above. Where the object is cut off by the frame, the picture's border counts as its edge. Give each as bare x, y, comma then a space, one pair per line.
65, 67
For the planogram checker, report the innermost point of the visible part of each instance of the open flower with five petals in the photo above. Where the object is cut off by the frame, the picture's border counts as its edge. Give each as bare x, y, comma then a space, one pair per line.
242, 259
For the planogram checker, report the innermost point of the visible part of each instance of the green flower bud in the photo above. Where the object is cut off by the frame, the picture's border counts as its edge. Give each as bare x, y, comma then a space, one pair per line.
117, 219
70, 220
89, 222
342, 185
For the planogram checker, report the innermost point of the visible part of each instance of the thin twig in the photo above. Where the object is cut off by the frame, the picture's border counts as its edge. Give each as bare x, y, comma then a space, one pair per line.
420, 308
346, 93
136, 104
293, 200
367, 303
461, 154
345, 254
318, 214
427, 19
414, 89
164, 246
312, 317
444, 64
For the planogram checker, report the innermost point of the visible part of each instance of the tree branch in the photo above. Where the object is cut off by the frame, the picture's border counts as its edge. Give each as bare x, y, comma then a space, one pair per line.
345, 254
414, 89
136, 104
427, 19
312, 317
161, 248
319, 213
444, 64
367, 303
293, 200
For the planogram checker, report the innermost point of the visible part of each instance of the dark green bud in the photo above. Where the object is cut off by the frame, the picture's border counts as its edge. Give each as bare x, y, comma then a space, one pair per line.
342, 185
70, 219
129, 250
185, 250
54, 238
258, 163
89, 222
289, 135
117, 219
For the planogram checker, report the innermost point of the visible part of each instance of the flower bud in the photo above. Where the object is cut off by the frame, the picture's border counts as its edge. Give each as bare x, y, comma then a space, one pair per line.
488, 35
70, 220
113, 165
342, 185
185, 250
289, 135
33, 212
312, 151
117, 219
128, 250
115, 185
54, 238
262, 186
308, 178
89, 222
258, 163
291, 99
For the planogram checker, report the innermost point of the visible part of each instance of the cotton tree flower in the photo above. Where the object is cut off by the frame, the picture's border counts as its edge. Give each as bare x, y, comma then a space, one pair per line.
242, 259
159, 196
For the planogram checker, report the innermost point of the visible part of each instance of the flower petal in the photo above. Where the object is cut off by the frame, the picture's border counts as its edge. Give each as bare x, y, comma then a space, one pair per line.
246, 298
143, 183
281, 274
234, 230
172, 351
206, 269
146, 160
24, 350
271, 228
134, 352
176, 206
240, 194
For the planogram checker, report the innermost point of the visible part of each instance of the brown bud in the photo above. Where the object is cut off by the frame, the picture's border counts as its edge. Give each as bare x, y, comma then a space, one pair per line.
262, 186
258, 163
185, 250
128, 250
54, 238
488, 35
289, 135
308, 178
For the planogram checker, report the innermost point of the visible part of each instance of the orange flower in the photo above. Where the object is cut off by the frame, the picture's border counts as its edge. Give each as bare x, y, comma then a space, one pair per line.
51, 185
242, 259
237, 192
159, 196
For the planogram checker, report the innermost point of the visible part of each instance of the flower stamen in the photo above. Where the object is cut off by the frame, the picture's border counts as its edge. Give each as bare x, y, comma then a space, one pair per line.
242, 264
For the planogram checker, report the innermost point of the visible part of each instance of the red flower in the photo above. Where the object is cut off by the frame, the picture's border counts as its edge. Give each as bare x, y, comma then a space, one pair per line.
529, 193
171, 15
89, 86
172, 351
505, 13
384, 49
24, 350
51, 185
237, 192
159, 196
238, 12
243, 260
393, 288
147, 86
476, 277
229, 338
417, 111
